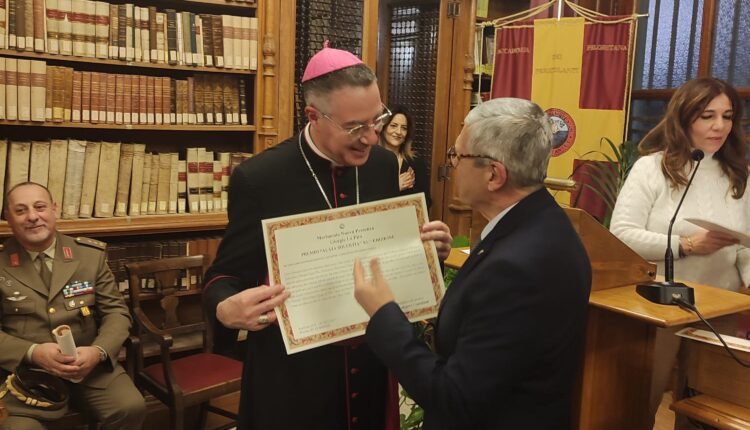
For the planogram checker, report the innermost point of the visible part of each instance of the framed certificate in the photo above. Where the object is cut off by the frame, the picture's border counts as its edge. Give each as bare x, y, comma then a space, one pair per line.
313, 256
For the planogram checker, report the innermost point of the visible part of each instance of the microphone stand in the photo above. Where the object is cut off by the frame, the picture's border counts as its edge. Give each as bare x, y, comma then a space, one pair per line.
669, 292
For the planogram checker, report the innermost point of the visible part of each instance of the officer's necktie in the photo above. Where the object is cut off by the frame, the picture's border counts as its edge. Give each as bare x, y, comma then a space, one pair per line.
44, 271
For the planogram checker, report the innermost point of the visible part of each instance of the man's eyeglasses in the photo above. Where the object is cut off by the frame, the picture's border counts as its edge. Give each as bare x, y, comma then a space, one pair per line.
360, 129
454, 157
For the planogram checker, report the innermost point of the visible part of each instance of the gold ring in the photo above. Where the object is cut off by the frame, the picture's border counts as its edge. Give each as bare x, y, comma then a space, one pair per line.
263, 319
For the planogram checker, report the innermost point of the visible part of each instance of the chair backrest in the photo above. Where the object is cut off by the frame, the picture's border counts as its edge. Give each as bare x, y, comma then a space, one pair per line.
166, 294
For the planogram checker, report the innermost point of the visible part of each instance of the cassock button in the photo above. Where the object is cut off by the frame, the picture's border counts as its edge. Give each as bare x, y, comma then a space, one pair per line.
52, 310
355, 395
353, 370
342, 195
355, 420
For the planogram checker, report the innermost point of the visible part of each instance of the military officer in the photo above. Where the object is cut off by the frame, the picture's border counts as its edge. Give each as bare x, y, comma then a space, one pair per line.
48, 279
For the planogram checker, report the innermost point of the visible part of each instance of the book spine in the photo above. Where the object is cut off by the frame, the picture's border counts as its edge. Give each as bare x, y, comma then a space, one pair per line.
101, 28
106, 184
122, 31
114, 31
49, 92
58, 155
218, 40
53, 46
136, 179
145, 36
20, 25
152, 34
158, 99
89, 22
129, 32
65, 26
143, 99
182, 186
39, 32
73, 179
95, 96
111, 100
237, 41
86, 96
11, 23
2, 88
208, 51
172, 36
78, 17
228, 41
11, 89
58, 94
24, 90
127, 107
38, 80
143, 207
90, 175
124, 173
76, 96
28, 22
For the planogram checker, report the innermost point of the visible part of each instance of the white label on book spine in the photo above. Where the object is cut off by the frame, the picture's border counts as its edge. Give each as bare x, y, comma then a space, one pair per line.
172, 207
71, 210
38, 113
173, 118
130, 53
126, 118
235, 118
118, 117
105, 207
86, 116
135, 208
152, 206
199, 118
150, 118
76, 115
172, 55
210, 118
178, 118
219, 117
85, 209
158, 118
162, 206
209, 60
243, 119
203, 206
191, 118
219, 61
121, 207
110, 117
154, 55
102, 116
194, 207
95, 115
142, 118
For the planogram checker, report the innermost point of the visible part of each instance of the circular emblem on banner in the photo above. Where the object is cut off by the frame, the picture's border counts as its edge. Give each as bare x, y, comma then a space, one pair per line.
563, 131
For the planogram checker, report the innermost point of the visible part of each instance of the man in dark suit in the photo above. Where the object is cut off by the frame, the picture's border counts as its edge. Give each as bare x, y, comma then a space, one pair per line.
48, 279
511, 326
334, 161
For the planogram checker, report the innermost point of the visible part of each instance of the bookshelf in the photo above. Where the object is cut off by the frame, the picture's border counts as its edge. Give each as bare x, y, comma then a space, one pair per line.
262, 83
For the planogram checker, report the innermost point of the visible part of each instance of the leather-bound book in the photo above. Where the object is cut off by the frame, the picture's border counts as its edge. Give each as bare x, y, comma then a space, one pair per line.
207, 186
193, 179
95, 96
76, 98
111, 98
101, 29
208, 46
253, 52
153, 187
191, 100
200, 116
2, 88
18, 163
236, 41
106, 184
90, 176
58, 94
225, 160
149, 99
226, 96
103, 97
39, 162
162, 190
129, 32
127, 104
38, 80
49, 87
152, 31
38, 26
217, 26
161, 37
135, 94
158, 101
65, 26
73, 179
28, 22
145, 184
173, 182
172, 36
182, 192
67, 83
123, 179
228, 40
173, 96
136, 179
11, 89
208, 98
86, 96
200, 59
145, 36
114, 31
143, 99
53, 43
122, 31
58, 155
77, 17
24, 90
19, 24
89, 27
187, 47
216, 192
218, 96
10, 23
166, 99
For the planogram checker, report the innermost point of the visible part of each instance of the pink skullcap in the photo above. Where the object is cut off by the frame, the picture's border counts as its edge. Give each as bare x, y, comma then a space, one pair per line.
329, 60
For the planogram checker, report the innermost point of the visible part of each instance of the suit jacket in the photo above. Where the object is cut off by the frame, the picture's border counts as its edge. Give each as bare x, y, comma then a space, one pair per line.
421, 178
509, 332
326, 388
30, 311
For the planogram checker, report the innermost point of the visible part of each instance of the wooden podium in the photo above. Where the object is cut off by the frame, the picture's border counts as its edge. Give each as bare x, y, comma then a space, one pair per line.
615, 381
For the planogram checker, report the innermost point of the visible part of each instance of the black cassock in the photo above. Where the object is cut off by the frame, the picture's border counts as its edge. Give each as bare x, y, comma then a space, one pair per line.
327, 388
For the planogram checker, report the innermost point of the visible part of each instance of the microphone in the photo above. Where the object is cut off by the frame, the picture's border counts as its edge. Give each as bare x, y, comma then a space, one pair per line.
665, 293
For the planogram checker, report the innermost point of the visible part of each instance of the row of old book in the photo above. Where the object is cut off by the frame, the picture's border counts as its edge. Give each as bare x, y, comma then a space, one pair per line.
30, 90
119, 254
105, 179
97, 29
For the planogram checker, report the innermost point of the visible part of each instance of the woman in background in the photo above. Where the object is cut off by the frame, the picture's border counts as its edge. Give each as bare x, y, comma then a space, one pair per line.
703, 114
397, 137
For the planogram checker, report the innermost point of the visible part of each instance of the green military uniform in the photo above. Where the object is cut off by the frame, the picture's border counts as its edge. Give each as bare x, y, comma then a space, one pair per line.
82, 294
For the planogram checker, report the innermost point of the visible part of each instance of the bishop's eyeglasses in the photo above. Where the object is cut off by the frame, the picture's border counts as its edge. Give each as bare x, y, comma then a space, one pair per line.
359, 130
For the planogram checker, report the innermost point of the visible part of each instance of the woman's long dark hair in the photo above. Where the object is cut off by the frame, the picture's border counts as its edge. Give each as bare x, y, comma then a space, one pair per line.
406, 150
671, 135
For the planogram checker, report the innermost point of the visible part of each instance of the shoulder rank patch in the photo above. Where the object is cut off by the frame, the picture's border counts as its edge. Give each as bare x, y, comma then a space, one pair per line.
91, 242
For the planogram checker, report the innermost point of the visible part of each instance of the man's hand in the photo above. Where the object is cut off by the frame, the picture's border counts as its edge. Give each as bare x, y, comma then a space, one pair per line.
441, 234
371, 293
48, 357
88, 358
251, 309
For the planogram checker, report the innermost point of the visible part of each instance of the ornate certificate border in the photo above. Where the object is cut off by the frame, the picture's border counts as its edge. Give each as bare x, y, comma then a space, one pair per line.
295, 343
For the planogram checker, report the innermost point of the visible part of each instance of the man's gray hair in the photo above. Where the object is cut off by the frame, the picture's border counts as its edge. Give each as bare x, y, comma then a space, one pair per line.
515, 132
314, 90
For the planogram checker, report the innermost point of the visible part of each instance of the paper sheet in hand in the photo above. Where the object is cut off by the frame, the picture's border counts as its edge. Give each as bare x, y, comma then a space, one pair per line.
313, 255
710, 226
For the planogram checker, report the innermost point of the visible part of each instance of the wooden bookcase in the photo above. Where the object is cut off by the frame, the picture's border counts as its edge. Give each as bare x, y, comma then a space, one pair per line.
269, 97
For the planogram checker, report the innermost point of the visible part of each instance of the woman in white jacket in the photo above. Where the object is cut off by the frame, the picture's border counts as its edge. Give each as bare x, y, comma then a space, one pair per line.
703, 114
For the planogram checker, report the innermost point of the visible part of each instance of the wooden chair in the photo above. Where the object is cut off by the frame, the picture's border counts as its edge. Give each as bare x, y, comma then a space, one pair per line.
165, 300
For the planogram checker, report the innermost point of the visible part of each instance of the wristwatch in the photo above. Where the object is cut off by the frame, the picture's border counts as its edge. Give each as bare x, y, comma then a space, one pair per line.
102, 354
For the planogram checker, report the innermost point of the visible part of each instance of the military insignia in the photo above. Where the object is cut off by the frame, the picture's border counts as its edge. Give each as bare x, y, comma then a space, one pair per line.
16, 298
72, 303
85, 311
77, 288
91, 242
15, 261
67, 252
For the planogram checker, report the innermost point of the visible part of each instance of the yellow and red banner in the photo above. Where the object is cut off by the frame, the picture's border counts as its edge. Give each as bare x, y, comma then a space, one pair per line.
578, 71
